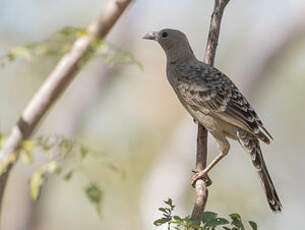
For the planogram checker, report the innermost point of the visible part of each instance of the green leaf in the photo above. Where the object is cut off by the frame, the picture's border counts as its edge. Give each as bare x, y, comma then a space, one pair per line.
38, 177
161, 221
68, 175
169, 202
253, 225
177, 218
65, 147
20, 52
178, 222
235, 216
195, 221
238, 224
84, 151
36, 181
94, 195
207, 216
236, 221
196, 226
216, 222
70, 30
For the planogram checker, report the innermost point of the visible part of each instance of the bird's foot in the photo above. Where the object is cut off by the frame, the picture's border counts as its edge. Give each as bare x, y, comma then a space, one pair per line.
201, 175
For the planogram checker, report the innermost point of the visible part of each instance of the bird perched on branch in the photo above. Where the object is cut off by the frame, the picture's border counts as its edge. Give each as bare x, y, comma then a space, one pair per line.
215, 102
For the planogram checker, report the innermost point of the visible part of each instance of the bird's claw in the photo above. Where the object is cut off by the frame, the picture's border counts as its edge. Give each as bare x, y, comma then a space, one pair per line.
201, 175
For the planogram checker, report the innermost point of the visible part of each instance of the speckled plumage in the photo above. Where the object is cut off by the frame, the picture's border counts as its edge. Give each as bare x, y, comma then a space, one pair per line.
204, 89
215, 102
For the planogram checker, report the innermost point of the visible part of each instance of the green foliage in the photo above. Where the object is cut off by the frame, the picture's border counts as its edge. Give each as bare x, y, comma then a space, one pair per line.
253, 225
68, 175
207, 221
95, 195
61, 42
38, 178
167, 214
236, 221
115, 55
57, 149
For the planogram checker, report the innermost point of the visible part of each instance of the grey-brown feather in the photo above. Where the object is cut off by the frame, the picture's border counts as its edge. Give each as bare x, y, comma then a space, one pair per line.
208, 90
214, 101
251, 145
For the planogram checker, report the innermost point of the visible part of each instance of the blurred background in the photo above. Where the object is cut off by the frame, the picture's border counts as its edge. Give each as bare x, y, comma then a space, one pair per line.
134, 117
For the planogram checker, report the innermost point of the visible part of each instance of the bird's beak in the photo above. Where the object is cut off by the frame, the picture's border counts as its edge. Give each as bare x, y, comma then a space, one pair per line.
151, 36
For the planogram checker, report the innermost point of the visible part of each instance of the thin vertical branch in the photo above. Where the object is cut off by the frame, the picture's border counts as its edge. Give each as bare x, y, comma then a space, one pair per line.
202, 135
56, 83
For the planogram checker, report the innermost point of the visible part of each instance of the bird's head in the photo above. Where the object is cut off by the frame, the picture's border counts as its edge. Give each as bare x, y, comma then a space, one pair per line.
174, 42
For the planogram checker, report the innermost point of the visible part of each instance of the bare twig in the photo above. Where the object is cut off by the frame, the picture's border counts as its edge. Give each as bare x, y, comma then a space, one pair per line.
55, 84
201, 155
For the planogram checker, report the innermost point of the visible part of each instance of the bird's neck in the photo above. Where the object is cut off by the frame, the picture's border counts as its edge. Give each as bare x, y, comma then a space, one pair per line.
180, 54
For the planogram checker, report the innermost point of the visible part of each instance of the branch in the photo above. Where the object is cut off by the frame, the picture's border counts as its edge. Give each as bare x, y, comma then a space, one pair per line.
56, 83
202, 135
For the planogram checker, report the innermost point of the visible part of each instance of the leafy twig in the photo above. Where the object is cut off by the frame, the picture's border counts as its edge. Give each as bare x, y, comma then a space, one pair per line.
61, 43
206, 221
56, 83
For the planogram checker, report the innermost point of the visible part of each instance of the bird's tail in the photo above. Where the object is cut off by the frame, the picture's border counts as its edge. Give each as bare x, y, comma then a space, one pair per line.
251, 145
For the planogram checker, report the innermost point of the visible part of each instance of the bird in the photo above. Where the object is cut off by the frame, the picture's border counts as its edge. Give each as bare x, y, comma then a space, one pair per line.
215, 102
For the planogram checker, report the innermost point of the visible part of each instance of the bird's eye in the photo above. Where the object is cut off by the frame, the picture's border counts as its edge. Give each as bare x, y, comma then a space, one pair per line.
164, 34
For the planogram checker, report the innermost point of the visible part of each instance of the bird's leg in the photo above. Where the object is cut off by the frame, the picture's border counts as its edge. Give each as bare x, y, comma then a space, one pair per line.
204, 173
224, 147
206, 178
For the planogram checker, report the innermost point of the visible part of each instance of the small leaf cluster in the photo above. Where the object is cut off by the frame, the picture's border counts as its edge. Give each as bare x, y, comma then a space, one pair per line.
166, 214
207, 221
61, 42
57, 149
56, 45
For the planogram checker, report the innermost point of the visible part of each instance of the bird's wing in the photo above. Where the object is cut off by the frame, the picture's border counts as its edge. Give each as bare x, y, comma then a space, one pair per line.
206, 89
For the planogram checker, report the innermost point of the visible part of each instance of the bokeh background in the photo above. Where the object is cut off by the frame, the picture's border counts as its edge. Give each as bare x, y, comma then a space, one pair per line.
134, 116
